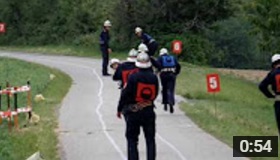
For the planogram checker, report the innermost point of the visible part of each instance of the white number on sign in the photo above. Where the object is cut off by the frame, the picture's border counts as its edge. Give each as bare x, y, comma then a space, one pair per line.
177, 46
213, 82
267, 146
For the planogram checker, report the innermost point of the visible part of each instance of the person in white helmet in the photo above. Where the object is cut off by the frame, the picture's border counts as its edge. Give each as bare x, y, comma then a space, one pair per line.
104, 46
142, 48
114, 63
169, 69
137, 106
126, 68
149, 41
273, 79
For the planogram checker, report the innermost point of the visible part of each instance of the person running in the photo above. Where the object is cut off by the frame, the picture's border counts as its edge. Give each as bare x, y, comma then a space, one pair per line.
104, 47
169, 69
137, 106
147, 40
273, 79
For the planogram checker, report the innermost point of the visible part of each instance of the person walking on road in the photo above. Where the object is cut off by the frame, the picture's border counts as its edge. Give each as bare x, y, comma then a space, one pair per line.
169, 69
126, 68
147, 40
273, 79
137, 106
104, 46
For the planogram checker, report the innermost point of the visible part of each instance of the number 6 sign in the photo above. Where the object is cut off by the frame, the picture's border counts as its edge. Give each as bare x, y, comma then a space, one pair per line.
213, 83
2, 28
177, 47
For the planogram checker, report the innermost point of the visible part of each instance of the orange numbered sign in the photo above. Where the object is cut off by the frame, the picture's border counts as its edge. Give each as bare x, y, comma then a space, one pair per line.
177, 47
2, 28
213, 83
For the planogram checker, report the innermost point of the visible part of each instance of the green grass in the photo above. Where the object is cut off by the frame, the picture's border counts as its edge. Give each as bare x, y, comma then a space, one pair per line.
18, 145
241, 110
66, 50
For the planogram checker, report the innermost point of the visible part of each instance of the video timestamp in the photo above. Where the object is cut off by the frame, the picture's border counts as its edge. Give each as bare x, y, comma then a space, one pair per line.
255, 146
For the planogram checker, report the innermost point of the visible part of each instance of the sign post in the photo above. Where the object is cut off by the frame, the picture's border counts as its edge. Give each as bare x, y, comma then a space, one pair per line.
213, 86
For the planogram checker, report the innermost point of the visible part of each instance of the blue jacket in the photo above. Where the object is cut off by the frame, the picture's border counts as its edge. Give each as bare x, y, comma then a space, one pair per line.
146, 39
163, 63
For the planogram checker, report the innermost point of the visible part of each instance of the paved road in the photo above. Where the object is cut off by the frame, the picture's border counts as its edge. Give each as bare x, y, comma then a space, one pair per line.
89, 129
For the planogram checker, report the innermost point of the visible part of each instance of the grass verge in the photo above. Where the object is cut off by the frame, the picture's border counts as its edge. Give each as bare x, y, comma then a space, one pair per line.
66, 50
241, 110
18, 145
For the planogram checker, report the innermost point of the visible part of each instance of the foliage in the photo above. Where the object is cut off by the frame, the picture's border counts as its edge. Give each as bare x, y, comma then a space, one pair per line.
239, 48
264, 14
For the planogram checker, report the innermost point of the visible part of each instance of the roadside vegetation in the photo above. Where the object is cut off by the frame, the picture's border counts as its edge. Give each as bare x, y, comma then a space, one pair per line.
19, 145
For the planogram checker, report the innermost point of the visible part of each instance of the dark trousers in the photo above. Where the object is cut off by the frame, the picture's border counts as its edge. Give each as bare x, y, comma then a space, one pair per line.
277, 114
168, 82
134, 121
152, 48
105, 60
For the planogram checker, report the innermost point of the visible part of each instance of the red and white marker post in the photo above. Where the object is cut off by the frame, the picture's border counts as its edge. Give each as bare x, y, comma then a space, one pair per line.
213, 85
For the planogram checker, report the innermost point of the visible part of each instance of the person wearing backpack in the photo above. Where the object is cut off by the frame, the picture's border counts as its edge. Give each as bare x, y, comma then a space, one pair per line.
169, 69
137, 106
126, 68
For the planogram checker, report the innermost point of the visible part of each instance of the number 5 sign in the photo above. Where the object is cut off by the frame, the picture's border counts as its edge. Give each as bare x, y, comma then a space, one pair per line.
213, 83
2, 28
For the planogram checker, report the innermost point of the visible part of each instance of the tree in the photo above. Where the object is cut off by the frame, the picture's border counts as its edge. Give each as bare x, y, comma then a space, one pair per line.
264, 14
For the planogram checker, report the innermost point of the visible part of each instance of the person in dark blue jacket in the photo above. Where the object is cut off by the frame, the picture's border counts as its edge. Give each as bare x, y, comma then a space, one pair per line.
149, 41
169, 69
105, 48
137, 106
126, 68
273, 79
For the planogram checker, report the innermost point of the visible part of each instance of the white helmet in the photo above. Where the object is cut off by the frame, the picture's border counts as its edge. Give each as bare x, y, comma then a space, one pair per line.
143, 60
163, 51
142, 48
132, 55
107, 23
114, 61
138, 30
275, 57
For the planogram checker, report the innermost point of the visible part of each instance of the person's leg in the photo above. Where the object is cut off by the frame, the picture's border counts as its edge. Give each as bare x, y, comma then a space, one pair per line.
105, 61
152, 48
149, 128
171, 89
164, 90
132, 133
277, 114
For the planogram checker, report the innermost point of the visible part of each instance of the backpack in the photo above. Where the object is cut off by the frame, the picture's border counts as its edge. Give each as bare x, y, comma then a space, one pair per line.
168, 61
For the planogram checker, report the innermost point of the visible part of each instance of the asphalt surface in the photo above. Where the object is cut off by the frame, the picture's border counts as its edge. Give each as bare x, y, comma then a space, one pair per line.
90, 130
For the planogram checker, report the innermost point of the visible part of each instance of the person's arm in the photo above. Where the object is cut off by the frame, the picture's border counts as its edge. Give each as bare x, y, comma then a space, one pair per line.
126, 95
118, 74
263, 86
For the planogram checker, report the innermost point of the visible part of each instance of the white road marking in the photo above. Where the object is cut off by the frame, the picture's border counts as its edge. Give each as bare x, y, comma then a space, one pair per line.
171, 146
100, 116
